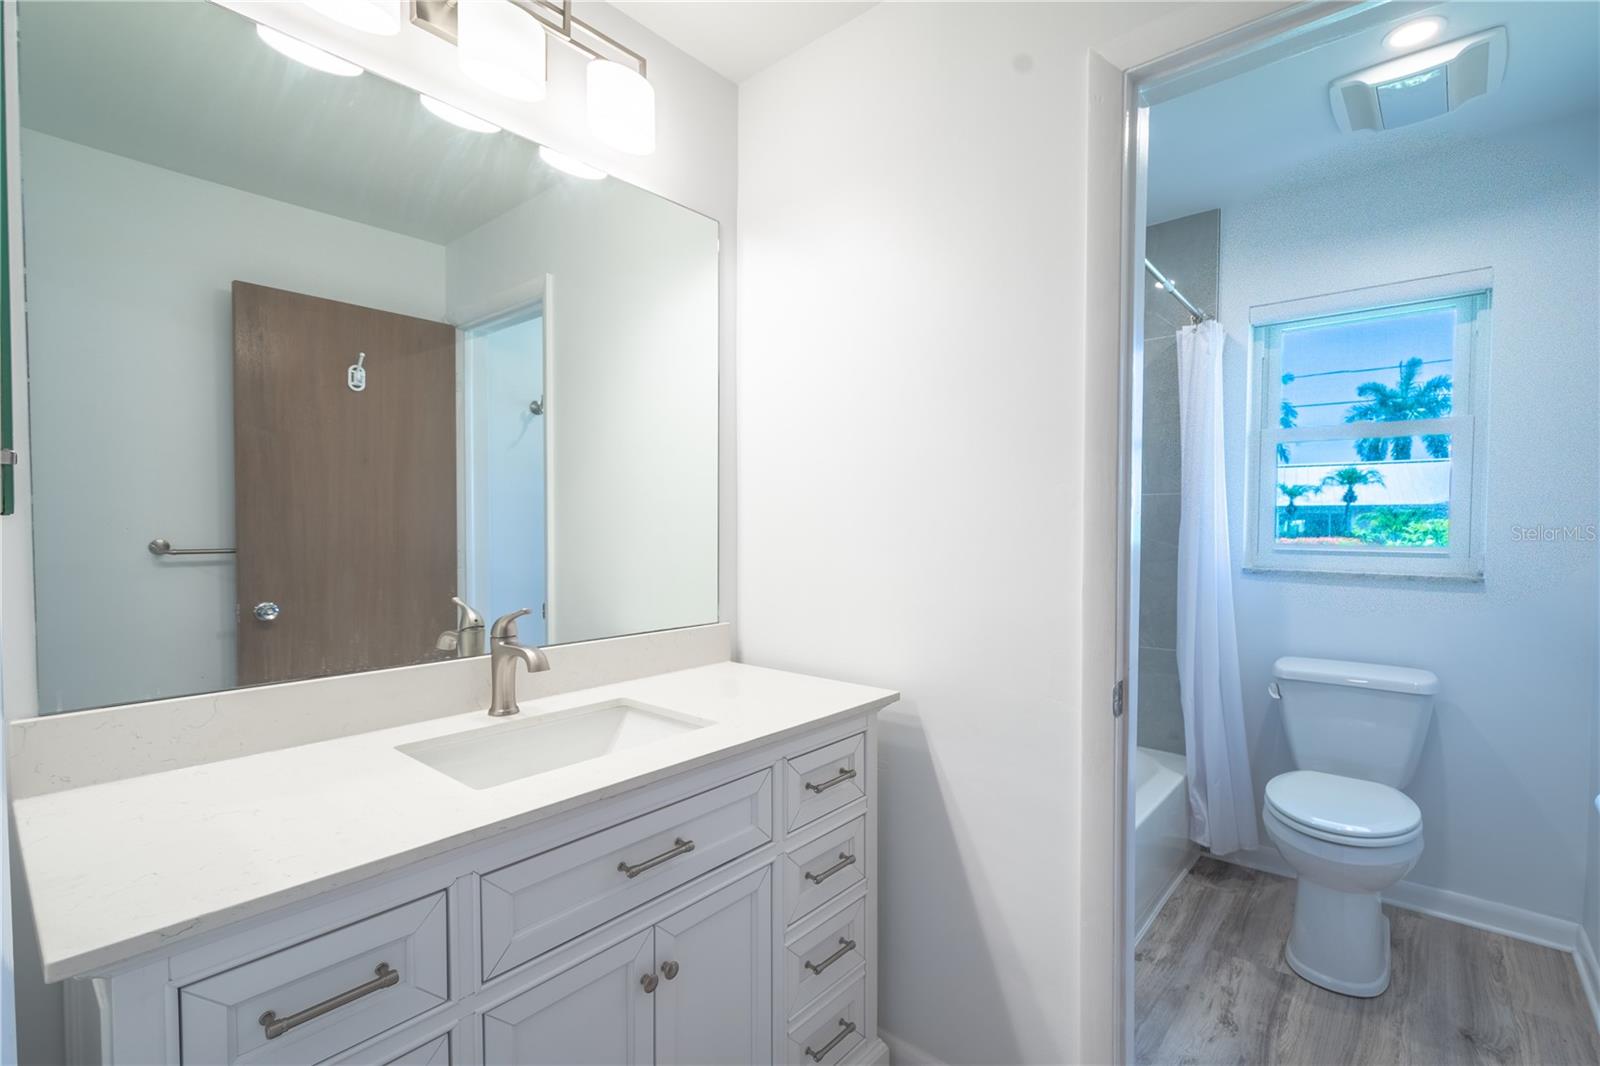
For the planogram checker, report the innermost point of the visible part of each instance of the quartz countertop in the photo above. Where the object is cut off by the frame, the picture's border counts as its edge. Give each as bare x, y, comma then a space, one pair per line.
120, 868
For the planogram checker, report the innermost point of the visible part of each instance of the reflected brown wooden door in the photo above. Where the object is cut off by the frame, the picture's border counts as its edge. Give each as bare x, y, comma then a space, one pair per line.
345, 501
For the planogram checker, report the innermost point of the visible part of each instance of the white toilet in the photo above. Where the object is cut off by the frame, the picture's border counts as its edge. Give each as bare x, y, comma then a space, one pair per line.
1340, 820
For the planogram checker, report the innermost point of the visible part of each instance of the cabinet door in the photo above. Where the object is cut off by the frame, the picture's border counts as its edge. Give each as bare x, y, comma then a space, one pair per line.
595, 1014
717, 1006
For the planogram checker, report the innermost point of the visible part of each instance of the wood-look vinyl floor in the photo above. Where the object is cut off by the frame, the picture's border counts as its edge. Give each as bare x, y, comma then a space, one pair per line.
1211, 986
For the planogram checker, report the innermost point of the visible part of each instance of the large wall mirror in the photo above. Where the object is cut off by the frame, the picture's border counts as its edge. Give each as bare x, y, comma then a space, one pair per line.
309, 362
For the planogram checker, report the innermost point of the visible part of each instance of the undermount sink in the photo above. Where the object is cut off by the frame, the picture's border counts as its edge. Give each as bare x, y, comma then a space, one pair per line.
484, 758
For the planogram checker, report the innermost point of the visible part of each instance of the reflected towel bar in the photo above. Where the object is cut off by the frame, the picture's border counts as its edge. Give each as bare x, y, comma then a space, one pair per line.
162, 546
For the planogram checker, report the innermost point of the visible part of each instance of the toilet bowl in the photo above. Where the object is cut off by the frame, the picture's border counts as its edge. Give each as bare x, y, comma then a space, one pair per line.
1356, 731
1347, 841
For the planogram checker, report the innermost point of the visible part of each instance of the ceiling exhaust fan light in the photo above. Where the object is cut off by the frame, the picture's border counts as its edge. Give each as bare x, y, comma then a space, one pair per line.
306, 54
1415, 32
502, 48
457, 117
577, 168
382, 17
622, 107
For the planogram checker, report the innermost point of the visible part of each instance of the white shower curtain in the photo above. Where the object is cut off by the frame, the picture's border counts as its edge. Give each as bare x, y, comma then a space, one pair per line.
1222, 809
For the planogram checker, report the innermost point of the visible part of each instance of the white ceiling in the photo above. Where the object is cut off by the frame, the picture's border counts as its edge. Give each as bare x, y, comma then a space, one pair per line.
189, 87
1233, 140
738, 38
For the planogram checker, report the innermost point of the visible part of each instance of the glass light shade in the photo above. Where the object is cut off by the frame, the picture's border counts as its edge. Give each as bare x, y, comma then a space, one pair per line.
1415, 32
300, 52
501, 47
457, 117
622, 107
568, 165
383, 17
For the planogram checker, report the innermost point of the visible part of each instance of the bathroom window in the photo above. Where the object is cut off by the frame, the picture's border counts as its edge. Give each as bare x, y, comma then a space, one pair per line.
1368, 421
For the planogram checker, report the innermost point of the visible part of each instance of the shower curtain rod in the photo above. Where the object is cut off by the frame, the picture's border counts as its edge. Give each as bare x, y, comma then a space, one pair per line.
1162, 282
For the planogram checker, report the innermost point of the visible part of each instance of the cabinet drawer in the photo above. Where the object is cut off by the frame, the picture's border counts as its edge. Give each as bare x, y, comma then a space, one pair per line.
317, 998
435, 1052
817, 961
816, 872
534, 905
832, 1033
824, 780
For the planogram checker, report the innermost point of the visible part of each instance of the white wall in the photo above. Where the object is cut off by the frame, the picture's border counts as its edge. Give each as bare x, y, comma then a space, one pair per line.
130, 336
632, 400
912, 470
1506, 777
1591, 885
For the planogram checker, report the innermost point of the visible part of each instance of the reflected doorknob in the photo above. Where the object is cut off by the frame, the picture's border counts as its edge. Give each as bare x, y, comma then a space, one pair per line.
267, 611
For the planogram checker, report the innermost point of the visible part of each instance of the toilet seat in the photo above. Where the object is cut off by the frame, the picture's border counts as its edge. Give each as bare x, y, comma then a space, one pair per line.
1343, 810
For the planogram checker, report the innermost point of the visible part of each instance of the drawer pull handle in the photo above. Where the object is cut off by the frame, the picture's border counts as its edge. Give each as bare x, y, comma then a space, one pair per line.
844, 860
680, 846
844, 774
821, 1053
845, 948
385, 976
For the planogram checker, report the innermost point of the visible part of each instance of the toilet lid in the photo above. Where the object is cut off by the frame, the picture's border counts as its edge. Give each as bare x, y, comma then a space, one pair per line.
1342, 806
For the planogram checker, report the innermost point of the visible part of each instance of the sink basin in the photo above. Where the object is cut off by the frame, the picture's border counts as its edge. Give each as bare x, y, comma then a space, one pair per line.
484, 758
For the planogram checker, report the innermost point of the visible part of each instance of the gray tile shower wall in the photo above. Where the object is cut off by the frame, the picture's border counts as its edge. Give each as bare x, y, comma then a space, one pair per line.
1187, 250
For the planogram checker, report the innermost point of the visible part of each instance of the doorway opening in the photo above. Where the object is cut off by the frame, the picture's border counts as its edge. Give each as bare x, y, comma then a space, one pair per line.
1322, 423
505, 408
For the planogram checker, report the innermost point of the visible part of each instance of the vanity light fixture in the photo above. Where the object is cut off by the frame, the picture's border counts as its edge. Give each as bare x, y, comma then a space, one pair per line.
621, 103
501, 48
306, 54
577, 168
382, 17
457, 117
1417, 31
622, 107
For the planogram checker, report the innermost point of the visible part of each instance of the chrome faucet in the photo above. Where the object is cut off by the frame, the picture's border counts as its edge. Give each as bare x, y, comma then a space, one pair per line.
504, 655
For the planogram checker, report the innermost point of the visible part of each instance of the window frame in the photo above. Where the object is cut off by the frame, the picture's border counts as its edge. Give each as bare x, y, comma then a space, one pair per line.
1470, 295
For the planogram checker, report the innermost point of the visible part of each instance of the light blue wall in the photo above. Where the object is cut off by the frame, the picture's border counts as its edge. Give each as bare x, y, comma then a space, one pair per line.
1505, 783
505, 372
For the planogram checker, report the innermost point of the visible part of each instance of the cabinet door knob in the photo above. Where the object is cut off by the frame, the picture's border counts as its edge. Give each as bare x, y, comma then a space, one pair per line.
669, 970
267, 611
648, 982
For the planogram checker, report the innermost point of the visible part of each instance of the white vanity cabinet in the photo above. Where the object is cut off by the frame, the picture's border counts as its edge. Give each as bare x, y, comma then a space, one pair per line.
695, 988
725, 914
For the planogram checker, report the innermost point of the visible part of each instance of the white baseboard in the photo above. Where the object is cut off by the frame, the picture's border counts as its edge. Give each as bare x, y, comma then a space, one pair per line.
875, 1053
903, 1053
1484, 914
1589, 971
1452, 906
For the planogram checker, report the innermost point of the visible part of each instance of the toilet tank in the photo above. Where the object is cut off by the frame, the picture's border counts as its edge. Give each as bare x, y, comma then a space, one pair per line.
1355, 719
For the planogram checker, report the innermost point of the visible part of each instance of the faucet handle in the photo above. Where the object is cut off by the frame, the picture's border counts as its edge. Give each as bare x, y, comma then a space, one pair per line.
505, 627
